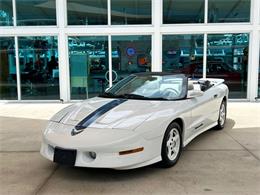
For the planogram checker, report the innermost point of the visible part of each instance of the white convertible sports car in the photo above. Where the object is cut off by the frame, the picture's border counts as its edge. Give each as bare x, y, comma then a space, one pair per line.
143, 119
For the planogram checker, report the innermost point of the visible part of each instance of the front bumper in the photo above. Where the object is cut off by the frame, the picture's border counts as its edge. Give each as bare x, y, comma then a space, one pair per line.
105, 143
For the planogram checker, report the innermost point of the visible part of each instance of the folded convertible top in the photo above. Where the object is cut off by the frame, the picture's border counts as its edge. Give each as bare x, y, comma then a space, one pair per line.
213, 81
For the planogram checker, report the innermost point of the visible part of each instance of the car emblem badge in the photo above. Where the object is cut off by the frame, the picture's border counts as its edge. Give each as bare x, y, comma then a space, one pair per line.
75, 131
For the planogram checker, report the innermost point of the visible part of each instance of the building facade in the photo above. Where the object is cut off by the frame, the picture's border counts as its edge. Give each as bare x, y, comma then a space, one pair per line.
75, 49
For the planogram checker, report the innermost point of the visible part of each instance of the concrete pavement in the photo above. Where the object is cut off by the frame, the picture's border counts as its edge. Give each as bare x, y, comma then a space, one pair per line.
217, 162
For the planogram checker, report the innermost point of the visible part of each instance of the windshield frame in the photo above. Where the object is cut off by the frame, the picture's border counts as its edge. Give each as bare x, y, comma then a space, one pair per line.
109, 93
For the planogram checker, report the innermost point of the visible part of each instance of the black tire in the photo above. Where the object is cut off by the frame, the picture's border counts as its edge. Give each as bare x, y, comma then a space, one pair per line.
166, 161
221, 124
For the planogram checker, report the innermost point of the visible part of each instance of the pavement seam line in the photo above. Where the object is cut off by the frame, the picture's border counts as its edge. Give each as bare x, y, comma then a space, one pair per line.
38, 189
18, 151
202, 150
243, 146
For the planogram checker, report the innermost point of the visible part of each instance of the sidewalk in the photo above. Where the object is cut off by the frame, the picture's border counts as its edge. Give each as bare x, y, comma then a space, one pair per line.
43, 111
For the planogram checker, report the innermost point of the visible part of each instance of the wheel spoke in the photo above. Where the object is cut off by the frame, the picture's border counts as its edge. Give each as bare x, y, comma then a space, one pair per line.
174, 149
176, 138
169, 153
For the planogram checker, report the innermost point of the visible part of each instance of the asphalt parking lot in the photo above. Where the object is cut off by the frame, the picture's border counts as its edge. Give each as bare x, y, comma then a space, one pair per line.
217, 162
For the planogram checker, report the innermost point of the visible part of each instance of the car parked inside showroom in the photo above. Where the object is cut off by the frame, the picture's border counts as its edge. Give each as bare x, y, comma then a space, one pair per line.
143, 119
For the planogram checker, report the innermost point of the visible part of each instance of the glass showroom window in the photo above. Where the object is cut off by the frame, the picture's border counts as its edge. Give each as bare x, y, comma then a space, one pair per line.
131, 12
39, 69
88, 59
8, 85
183, 54
227, 58
6, 13
183, 11
130, 54
35, 12
90, 12
228, 11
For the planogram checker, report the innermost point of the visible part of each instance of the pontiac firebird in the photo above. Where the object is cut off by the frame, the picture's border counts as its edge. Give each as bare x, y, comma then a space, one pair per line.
143, 119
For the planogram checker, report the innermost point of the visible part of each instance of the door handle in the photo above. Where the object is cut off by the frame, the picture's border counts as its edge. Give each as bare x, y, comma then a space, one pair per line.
215, 96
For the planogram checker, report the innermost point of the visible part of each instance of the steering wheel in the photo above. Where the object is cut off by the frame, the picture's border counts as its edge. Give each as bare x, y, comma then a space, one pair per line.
113, 79
170, 93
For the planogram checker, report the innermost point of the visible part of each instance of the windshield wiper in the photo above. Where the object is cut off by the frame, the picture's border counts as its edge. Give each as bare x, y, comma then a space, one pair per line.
132, 95
107, 94
136, 96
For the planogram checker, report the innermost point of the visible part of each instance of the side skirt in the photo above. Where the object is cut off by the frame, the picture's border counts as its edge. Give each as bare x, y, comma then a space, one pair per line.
187, 141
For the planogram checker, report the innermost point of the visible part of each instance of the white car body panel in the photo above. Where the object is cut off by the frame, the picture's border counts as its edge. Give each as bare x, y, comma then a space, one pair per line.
132, 124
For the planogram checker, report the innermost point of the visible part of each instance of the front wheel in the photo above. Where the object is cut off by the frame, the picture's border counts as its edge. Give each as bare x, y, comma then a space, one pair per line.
171, 146
222, 115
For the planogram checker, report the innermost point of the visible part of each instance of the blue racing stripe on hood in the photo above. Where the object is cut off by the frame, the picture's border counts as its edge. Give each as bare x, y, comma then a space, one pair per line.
95, 115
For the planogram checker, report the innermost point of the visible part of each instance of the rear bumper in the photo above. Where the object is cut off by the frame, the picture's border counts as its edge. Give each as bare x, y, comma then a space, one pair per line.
106, 144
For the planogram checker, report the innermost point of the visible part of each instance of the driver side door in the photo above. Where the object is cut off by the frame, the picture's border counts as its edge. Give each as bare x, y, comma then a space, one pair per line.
201, 114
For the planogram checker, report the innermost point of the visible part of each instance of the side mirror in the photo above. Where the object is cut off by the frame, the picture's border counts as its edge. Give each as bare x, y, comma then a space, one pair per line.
194, 93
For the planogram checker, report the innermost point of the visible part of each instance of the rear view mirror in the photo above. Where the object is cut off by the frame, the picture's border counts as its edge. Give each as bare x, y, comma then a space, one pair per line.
194, 93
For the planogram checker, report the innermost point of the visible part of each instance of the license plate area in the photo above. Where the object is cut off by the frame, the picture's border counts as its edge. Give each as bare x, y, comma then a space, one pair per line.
65, 156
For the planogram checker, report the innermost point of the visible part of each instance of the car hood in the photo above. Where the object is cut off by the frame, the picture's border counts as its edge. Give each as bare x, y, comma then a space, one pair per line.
127, 115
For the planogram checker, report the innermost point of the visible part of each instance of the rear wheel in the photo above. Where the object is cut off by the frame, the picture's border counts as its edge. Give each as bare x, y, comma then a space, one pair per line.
222, 115
172, 145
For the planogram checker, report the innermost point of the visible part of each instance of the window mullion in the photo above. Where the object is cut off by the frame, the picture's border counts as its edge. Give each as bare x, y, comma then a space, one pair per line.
205, 55
18, 77
14, 13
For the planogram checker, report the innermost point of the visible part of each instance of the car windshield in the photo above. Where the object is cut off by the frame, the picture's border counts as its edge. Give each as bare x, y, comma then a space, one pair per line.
151, 87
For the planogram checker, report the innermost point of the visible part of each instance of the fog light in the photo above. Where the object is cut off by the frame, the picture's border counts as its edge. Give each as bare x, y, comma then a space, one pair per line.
93, 155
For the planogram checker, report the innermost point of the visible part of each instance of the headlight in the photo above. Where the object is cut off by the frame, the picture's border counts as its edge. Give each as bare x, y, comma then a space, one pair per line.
49, 127
62, 113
